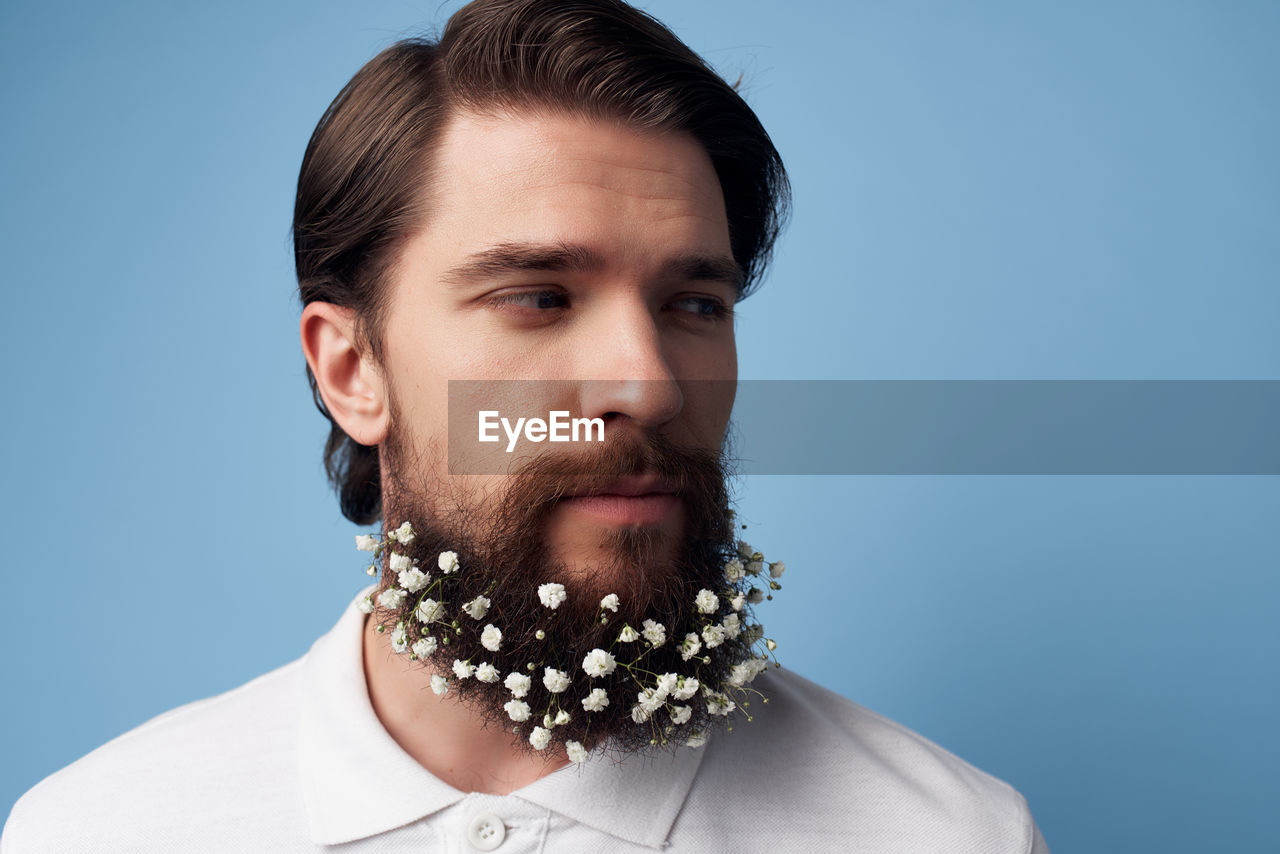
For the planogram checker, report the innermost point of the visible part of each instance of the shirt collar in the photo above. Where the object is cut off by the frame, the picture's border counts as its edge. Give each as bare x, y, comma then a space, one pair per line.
357, 782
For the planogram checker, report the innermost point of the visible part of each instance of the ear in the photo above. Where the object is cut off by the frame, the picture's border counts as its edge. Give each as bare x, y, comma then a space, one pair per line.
350, 383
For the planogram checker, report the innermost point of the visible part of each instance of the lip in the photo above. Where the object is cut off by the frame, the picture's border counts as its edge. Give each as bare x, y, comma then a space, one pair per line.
626, 501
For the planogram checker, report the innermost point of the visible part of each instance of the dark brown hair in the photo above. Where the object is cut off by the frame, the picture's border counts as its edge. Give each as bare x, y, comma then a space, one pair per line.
361, 184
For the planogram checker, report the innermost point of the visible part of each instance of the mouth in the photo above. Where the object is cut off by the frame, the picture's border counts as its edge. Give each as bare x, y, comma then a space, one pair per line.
626, 501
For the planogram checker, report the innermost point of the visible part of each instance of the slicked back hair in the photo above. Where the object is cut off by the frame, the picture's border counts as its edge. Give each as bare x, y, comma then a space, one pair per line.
361, 186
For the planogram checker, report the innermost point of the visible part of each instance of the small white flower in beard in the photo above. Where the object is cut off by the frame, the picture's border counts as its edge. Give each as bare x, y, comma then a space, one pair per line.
477, 607
685, 688
732, 626
755, 567
667, 683
403, 535
366, 543
681, 714
639, 714
577, 753
650, 700
598, 663
518, 684
738, 601
413, 580
555, 680
399, 562
366, 604
733, 571
491, 638
428, 611
400, 638
627, 635
596, 700
517, 710
424, 647
713, 636
551, 595
540, 738
706, 602
609, 603
562, 718
448, 562
755, 595
463, 669
655, 633
744, 550
392, 597
439, 684
696, 739
486, 672
691, 646
717, 703
776, 569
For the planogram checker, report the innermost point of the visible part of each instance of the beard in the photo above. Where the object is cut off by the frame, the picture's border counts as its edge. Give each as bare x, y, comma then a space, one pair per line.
503, 557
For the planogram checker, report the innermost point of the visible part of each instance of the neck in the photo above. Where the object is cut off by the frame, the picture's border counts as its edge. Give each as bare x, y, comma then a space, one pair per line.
444, 736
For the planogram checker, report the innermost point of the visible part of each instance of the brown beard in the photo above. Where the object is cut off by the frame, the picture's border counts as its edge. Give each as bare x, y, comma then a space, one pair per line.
503, 555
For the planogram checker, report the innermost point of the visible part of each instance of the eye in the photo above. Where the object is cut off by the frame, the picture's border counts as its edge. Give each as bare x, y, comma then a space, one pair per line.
543, 300
703, 307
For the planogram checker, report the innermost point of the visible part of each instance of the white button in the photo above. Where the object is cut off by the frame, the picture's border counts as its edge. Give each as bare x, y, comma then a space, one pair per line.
486, 832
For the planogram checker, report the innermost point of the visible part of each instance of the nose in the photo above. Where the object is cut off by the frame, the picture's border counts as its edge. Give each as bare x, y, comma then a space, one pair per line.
627, 371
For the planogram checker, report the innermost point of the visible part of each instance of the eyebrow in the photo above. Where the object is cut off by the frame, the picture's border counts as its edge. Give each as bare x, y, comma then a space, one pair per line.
506, 258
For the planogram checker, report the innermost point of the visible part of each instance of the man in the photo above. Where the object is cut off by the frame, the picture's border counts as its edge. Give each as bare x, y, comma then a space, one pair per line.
559, 204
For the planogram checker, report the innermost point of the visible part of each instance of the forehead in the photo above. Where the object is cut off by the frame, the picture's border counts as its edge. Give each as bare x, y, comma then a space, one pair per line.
536, 176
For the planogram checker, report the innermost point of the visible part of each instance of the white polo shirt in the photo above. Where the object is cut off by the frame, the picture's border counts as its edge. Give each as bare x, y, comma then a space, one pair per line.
296, 760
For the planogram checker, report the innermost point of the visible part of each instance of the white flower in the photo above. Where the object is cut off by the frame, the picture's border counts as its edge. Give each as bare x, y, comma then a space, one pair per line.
681, 714
477, 607
706, 601
517, 710
392, 597
640, 714
366, 604
744, 550
755, 567
463, 669
561, 718
627, 635
399, 562
540, 738
596, 700
518, 684
400, 638
429, 610
737, 601
732, 626
752, 633
491, 638
696, 739
746, 671
598, 663
717, 703
609, 603
691, 646
667, 683
655, 633
685, 688
403, 534
413, 580
448, 562
577, 753
366, 543
551, 595
424, 647
486, 672
733, 571
771, 644
713, 636
439, 684
755, 595
650, 699
776, 569
555, 680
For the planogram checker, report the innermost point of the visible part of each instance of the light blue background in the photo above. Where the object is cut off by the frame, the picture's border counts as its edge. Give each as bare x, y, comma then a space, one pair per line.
995, 190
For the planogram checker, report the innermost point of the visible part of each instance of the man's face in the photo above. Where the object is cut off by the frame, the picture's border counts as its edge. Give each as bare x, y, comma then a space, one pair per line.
567, 249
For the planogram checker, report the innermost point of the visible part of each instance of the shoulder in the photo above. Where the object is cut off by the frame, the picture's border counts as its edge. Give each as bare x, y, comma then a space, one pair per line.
168, 777
858, 777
